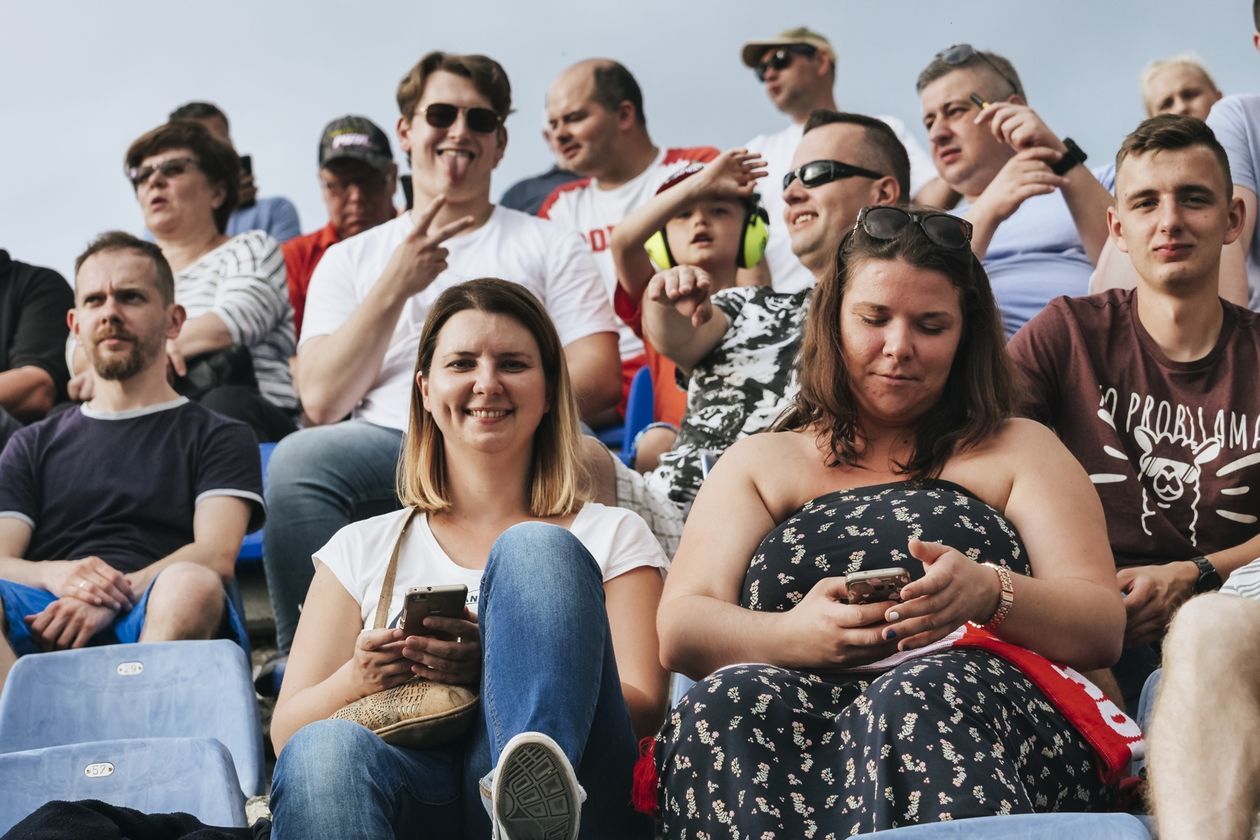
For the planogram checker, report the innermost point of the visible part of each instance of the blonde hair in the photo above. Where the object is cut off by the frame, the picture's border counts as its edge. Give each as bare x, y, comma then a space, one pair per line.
1159, 65
556, 478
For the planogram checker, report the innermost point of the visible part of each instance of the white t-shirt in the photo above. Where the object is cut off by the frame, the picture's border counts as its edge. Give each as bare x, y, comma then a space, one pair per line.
359, 553
592, 212
547, 260
777, 149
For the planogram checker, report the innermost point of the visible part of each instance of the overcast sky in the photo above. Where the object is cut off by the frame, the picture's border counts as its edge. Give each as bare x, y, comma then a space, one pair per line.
80, 80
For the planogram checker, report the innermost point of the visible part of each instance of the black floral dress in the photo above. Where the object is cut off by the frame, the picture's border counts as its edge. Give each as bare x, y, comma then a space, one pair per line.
757, 751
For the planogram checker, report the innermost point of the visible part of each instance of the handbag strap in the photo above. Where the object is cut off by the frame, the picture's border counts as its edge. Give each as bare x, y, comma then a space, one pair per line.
387, 588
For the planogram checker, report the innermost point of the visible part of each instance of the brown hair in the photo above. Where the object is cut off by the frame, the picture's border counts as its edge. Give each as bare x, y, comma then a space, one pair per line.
117, 240
486, 75
993, 67
555, 474
217, 160
978, 395
880, 142
1167, 132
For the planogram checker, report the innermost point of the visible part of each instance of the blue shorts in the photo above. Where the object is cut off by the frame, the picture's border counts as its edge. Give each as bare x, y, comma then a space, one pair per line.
21, 600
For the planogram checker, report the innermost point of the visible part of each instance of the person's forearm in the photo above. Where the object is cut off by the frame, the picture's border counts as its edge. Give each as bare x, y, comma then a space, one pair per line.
1088, 201
203, 334
983, 225
595, 371
313, 703
937, 193
1114, 270
1067, 620
700, 634
1229, 560
1235, 286
335, 371
674, 337
27, 392
219, 559
26, 572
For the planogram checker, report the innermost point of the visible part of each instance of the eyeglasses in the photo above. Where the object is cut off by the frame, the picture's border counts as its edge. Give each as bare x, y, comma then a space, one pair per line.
819, 172
443, 115
960, 54
885, 222
172, 168
781, 58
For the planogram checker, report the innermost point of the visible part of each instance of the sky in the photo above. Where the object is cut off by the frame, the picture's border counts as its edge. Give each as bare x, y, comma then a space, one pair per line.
80, 80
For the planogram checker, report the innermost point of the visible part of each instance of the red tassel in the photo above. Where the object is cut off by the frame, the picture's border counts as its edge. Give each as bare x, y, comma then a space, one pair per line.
643, 790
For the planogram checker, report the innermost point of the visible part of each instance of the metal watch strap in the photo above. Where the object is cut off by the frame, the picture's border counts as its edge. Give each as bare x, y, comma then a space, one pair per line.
1209, 577
1005, 599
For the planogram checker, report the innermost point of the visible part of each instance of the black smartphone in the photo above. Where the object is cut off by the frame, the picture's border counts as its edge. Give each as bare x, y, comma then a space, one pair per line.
420, 601
247, 164
408, 191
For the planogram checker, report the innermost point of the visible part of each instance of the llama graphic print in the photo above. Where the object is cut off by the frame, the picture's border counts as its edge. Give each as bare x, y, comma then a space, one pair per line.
1176, 448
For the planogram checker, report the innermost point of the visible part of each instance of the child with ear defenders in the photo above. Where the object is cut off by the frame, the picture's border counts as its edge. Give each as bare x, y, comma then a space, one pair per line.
707, 218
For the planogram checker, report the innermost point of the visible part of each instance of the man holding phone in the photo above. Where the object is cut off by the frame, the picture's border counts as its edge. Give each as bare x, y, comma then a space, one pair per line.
121, 519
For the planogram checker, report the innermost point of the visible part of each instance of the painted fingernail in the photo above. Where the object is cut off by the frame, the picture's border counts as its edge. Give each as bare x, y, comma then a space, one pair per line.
893, 615
890, 634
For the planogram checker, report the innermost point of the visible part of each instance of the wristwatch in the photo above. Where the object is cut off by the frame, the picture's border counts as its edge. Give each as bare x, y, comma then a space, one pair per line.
1074, 155
1209, 578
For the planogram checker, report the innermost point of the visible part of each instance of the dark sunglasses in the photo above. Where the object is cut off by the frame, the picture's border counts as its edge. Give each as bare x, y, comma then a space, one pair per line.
782, 57
443, 115
173, 168
884, 222
819, 172
962, 53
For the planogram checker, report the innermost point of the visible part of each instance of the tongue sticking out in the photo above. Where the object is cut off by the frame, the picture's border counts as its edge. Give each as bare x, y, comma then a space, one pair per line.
456, 165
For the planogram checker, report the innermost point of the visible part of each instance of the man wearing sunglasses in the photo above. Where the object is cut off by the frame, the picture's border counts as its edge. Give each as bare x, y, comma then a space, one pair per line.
598, 130
798, 70
369, 298
1039, 216
1153, 389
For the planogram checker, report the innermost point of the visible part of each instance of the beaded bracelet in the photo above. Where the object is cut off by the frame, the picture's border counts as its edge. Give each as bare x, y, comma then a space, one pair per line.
1006, 599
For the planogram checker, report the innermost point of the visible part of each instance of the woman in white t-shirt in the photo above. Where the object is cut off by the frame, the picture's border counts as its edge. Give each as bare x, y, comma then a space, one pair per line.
560, 622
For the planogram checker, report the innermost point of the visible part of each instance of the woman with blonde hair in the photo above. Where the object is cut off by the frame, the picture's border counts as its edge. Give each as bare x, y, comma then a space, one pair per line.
558, 629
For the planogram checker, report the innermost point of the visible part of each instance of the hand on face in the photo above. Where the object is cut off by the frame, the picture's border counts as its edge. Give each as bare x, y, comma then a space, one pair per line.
953, 591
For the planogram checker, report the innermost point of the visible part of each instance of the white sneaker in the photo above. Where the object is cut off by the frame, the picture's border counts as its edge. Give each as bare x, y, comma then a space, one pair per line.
535, 794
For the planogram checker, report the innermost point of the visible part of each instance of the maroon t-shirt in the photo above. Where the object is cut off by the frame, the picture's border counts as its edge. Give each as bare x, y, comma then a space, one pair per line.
1173, 448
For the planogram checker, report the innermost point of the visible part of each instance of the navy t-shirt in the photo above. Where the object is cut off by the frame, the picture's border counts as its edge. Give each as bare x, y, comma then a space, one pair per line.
123, 485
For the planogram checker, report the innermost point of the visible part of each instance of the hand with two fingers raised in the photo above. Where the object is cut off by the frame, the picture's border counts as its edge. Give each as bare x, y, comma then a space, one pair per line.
421, 257
687, 289
825, 631
455, 658
954, 590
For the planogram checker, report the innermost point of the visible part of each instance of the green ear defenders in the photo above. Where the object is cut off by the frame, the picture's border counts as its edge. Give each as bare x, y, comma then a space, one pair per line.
752, 238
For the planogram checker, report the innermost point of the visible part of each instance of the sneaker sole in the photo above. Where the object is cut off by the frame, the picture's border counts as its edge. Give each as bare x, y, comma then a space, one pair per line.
535, 801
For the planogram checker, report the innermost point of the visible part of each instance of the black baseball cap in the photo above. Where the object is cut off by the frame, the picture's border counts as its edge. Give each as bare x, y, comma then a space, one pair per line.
355, 137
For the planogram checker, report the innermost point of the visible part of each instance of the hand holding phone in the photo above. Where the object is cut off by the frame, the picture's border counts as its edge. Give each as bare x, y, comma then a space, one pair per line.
421, 601
876, 585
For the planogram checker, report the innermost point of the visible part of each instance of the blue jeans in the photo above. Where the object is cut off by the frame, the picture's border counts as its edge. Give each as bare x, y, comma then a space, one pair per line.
547, 666
318, 481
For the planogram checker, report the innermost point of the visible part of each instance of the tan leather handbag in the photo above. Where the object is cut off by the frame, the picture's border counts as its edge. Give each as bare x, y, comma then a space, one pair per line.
419, 713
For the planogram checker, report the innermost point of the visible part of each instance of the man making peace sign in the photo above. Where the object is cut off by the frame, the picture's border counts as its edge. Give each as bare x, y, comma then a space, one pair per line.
370, 295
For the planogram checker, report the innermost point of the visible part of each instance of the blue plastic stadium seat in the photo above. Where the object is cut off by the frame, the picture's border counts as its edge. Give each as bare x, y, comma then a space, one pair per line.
153, 775
189, 689
640, 410
1027, 827
252, 546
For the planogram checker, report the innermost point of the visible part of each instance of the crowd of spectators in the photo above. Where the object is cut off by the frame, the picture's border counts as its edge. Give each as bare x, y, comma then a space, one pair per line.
875, 369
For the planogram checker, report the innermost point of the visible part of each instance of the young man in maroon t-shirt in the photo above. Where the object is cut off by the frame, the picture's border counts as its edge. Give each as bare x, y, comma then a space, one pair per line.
1153, 389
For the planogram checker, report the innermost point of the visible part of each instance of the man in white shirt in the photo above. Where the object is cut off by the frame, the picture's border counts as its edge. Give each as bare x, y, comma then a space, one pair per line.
369, 298
798, 69
597, 128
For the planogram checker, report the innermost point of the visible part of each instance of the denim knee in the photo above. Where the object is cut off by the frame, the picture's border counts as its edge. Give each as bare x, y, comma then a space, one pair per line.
322, 757
537, 553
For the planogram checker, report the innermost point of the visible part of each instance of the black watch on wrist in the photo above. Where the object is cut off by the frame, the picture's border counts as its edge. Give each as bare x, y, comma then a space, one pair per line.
1073, 156
1209, 578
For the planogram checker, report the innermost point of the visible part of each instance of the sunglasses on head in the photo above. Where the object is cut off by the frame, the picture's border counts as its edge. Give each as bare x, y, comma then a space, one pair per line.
819, 172
443, 115
172, 168
884, 222
960, 54
781, 58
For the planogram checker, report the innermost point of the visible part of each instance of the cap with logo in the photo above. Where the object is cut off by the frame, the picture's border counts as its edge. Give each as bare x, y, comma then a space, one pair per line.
355, 137
752, 51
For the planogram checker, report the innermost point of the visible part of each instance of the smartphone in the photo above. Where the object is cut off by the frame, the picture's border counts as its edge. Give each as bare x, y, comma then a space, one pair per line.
408, 190
875, 585
247, 164
420, 601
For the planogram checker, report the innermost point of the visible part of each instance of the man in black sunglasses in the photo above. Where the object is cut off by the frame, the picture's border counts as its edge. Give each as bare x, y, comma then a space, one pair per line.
1039, 216
798, 70
598, 129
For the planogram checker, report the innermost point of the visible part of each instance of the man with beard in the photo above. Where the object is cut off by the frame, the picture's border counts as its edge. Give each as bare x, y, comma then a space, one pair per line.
120, 520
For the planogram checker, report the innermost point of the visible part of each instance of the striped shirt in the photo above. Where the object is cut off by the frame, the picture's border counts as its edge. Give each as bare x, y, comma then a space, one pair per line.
1244, 581
242, 282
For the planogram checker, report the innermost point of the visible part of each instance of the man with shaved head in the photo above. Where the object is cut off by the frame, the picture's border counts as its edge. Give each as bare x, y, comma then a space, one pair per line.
597, 129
